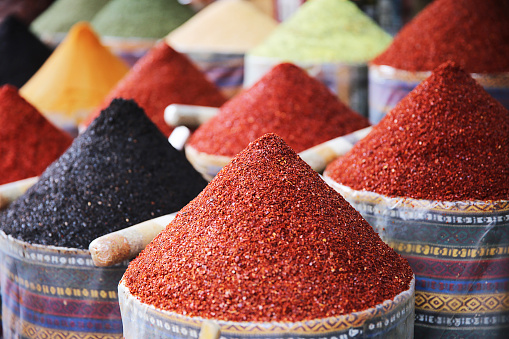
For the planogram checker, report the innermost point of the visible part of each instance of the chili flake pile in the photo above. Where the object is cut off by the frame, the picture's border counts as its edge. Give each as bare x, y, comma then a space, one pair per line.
120, 172
267, 240
474, 34
163, 77
286, 101
28, 142
447, 140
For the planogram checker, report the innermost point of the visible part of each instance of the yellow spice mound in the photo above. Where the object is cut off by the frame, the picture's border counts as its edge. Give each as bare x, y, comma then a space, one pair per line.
75, 78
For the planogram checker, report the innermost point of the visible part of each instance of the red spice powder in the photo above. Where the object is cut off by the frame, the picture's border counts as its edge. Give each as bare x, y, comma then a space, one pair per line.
473, 33
28, 142
160, 78
447, 140
286, 101
267, 240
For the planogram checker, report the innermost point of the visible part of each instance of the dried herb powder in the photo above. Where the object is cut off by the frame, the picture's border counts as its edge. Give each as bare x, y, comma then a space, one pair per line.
325, 31
286, 101
163, 77
267, 240
63, 14
21, 52
448, 140
119, 172
474, 34
28, 142
140, 19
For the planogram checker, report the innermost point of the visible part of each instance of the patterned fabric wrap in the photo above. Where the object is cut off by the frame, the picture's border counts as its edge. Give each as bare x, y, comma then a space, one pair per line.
224, 70
392, 319
459, 252
348, 81
56, 292
388, 85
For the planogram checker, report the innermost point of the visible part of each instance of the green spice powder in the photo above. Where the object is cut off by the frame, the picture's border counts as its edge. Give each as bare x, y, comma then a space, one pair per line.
142, 19
325, 31
63, 14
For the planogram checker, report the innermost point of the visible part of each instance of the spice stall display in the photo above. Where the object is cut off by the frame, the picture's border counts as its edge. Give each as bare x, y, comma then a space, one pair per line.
119, 172
21, 52
218, 36
131, 27
28, 143
162, 77
332, 39
268, 250
54, 23
74, 79
286, 101
432, 179
473, 34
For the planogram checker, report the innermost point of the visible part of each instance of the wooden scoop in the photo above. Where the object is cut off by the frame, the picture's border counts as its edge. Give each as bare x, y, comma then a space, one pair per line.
188, 115
125, 244
318, 157
13, 190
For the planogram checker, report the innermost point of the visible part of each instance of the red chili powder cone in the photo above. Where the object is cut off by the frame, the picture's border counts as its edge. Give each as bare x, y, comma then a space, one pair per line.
267, 240
447, 140
28, 142
286, 101
474, 34
160, 78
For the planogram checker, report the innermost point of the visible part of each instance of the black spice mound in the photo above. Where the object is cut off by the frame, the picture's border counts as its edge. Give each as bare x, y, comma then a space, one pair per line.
21, 52
120, 172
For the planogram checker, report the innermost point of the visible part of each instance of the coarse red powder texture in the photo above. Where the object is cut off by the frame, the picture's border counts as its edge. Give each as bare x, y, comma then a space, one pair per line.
472, 33
28, 142
160, 78
447, 140
286, 101
267, 240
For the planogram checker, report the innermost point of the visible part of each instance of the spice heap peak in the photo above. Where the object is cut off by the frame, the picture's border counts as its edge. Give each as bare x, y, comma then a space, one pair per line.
28, 142
119, 172
473, 33
75, 78
447, 140
162, 77
267, 240
286, 101
325, 31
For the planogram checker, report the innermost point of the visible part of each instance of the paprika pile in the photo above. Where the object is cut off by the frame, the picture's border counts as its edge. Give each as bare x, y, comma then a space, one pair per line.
28, 142
160, 78
118, 173
286, 101
267, 240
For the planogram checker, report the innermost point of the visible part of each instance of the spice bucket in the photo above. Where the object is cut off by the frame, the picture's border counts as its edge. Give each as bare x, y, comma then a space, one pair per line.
128, 49
388, 85
391, 319
225, 70
459, 252
56, 292
348, 81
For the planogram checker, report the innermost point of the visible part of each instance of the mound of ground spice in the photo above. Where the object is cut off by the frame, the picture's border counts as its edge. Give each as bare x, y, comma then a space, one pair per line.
447, 140
163, 77
28, 142
119, 172
21, 52
267, 240
286, 101
75, 78
474, 34
141, 19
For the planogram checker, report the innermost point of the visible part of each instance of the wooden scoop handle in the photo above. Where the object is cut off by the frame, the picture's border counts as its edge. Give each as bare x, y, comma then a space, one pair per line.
188, 115
115, 247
